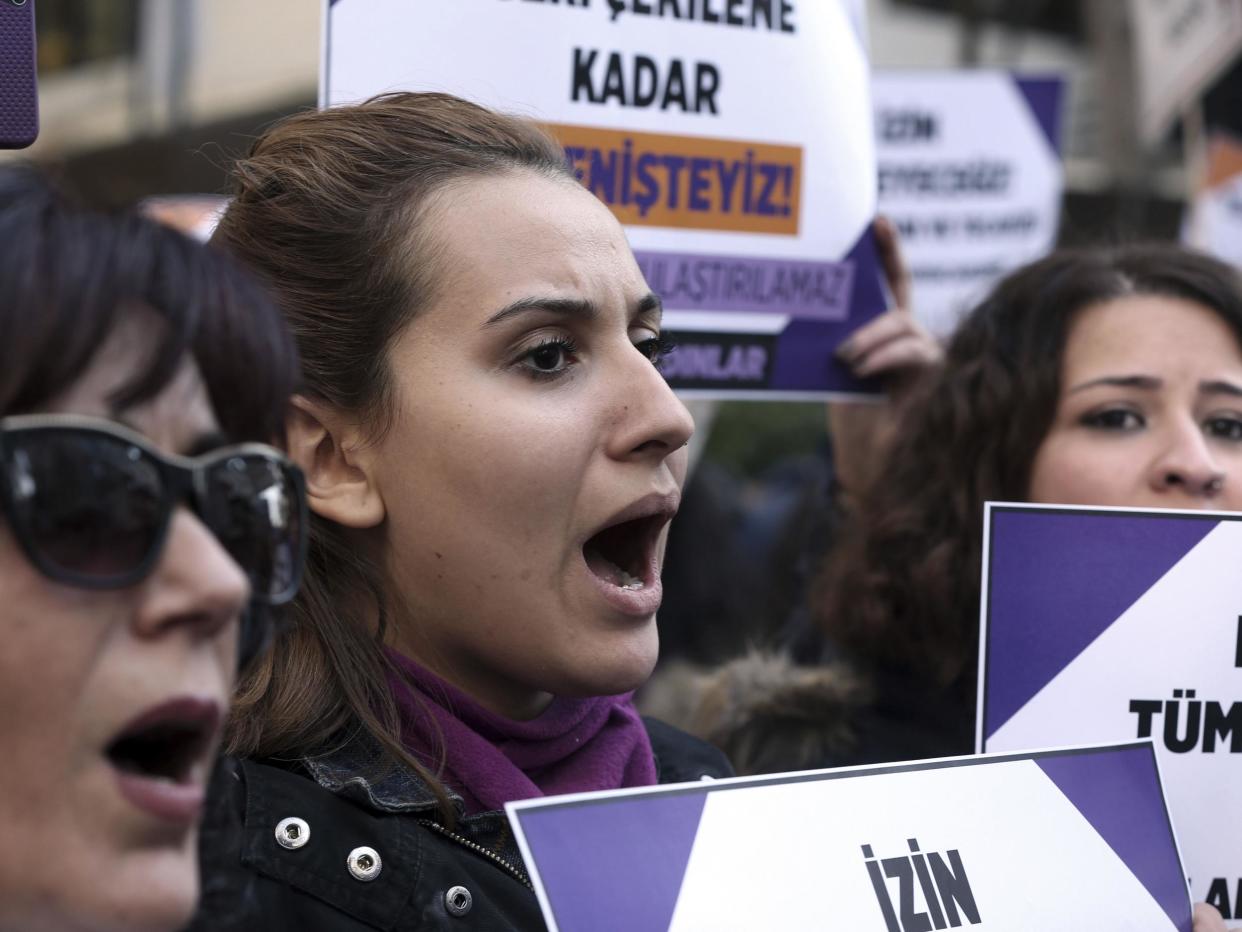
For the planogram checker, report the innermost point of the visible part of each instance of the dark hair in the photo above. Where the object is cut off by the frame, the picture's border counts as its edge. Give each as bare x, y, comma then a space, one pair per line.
902, 586
69, 275
335, 209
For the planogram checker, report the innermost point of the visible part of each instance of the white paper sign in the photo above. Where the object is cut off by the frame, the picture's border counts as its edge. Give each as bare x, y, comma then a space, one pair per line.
1115, 624
970, 173
1214, 220
732, 138
1074, 839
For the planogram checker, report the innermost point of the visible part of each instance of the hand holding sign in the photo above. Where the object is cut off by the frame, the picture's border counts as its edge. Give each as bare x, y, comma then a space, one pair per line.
1208, 920
894, 344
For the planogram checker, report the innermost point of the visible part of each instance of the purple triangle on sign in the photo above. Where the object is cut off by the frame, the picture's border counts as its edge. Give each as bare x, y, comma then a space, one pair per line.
614, 865
868, 299
1057, 580
1044, 96
1118, 792
805, 359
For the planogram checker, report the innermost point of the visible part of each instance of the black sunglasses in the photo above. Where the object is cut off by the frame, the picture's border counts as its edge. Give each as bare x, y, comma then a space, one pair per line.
90, 502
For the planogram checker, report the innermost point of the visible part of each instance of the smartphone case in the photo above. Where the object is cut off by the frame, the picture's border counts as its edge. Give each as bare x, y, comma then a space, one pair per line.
19, 89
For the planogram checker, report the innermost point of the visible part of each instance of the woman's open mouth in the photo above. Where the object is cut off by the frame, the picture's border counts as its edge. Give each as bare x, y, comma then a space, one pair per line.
162, 758
623, 558
623, 554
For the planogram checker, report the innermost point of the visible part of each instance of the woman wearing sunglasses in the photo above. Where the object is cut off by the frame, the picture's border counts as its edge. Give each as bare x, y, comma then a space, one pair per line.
139, 518
492, 460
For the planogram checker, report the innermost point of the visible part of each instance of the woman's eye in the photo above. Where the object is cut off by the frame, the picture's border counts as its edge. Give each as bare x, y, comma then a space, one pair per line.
1225, 428
655, 348
549, 358
1119, 419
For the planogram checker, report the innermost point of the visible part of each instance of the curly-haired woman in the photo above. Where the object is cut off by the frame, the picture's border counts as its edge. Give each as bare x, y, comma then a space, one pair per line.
1106, 377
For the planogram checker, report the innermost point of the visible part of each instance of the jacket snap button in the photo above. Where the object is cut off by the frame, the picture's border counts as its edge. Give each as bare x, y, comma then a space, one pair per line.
458, 901
292, 833
365, 864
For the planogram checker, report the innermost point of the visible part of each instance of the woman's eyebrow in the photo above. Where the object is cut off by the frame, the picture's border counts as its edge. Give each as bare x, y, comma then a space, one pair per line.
650, 302
1144, 382
1151, 383
569, 307
1220, 387
206, 443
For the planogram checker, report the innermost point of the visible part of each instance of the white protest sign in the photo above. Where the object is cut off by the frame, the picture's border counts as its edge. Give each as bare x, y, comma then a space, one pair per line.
1214, 220
970, 173
1115, 624
1072, 839
1181, 47
732, 138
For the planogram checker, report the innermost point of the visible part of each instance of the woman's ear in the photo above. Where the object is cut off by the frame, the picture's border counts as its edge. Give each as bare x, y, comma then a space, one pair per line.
329, 448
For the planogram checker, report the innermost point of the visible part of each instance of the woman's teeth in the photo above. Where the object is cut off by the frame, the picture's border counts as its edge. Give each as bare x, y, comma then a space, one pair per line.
626, 581
610, 571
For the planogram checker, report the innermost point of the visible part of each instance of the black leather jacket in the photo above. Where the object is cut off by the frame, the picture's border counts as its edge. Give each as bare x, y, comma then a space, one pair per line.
318, 847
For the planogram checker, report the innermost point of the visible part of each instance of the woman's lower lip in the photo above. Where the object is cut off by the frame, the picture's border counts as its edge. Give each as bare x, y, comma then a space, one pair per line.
638, 603
180, 803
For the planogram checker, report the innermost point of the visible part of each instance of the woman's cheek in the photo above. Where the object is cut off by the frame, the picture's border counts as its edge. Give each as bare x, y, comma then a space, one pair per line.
1070, 469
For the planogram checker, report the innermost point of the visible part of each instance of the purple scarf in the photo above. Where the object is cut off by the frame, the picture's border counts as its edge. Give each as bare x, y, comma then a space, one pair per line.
574, 746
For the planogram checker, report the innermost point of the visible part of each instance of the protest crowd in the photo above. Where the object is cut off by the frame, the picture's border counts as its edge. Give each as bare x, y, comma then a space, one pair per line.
341, 516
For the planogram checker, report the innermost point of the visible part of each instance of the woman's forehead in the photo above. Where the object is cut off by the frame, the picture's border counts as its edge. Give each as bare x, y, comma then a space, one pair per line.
1139, 323
508, 233
173, 419
1155, 335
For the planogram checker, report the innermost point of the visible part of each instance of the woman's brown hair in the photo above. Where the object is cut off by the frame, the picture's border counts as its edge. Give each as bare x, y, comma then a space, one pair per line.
331, 208
901, 589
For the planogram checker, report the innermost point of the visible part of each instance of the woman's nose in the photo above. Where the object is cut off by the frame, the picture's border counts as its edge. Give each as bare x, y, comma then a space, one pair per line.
651, 420
1187, 466
196, 587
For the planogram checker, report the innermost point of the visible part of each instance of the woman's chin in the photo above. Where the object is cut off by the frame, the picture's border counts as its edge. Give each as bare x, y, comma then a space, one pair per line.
161, 898
619, 672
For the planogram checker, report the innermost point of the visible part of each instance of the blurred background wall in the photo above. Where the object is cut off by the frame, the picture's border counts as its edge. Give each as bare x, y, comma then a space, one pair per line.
144, 97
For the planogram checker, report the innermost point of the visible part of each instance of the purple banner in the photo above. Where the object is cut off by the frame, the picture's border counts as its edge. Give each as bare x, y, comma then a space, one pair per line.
691, 282
800, 357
